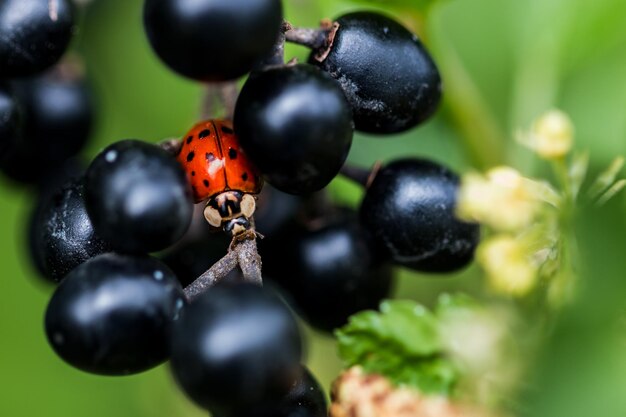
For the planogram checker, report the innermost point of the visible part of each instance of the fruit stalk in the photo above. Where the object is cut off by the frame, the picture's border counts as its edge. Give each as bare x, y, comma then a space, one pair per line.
243, 253
311, 38
219, 97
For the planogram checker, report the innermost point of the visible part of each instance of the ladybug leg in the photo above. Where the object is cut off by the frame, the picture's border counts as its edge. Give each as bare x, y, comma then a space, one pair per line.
243, 236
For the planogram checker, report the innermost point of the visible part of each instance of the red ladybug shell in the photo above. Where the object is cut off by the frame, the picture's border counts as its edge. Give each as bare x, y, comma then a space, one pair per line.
214, 162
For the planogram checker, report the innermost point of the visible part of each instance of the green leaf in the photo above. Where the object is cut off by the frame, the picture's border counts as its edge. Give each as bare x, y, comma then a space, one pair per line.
401, 342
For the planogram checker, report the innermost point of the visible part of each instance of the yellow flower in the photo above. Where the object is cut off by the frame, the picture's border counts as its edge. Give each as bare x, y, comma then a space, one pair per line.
508, 265
502, 199
551, 136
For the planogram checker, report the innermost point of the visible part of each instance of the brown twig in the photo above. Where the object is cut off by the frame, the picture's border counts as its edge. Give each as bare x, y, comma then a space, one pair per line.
243, 253
361, 176
320, 40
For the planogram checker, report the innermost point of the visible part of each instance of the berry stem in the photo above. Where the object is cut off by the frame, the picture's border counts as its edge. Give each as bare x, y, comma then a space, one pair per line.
361, 176
243, 253
250, 261
211, 277
318, 40
219, 100
311, 38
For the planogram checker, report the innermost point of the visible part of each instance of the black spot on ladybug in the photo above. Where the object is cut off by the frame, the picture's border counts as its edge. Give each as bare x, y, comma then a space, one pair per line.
189, 139
190, 156
210, 157
193, 173
194, 189
204, 133
206, 183
244, 176
227, 130
232, 154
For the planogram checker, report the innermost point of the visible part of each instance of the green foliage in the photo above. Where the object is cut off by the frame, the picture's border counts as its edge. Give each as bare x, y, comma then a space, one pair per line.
401, 342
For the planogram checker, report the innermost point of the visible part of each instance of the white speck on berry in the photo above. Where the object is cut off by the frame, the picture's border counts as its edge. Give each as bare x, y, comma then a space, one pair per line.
111, 156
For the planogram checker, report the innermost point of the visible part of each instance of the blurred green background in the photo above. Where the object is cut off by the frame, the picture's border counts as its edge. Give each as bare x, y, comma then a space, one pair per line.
503, 63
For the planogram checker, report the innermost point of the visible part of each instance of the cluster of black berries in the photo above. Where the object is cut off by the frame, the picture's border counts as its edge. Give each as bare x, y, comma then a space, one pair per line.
235, 349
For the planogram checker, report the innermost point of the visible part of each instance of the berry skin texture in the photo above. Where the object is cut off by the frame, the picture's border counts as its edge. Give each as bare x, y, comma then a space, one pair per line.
113, 314
389, 78
214, 162
331, 272
70, 170
410, 209
57, 117
65, 237
236, 348
295, 125
33, 35
212, 40
137, 197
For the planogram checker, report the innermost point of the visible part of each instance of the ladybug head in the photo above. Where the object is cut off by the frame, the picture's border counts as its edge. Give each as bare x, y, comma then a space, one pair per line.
230, 210
236, 226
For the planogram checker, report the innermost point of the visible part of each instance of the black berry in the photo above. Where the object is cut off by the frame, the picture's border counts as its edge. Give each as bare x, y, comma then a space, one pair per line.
57, 117
33, 35
295, 125
212, 40
330, 272
389, 78
137, 197
113, 314
409, 208
235, 348
64, 233
53, 184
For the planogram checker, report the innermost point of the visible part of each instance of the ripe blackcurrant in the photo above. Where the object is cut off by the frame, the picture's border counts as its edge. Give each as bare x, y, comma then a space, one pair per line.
295, 125
212, 40
33, 35
57, 116
51, 185
113, 314
235, 348
388, 76
137, 197
330, 272
409, 208
64, 235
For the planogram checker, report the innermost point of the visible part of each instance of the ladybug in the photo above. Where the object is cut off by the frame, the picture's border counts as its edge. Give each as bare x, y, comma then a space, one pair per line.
219, 172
